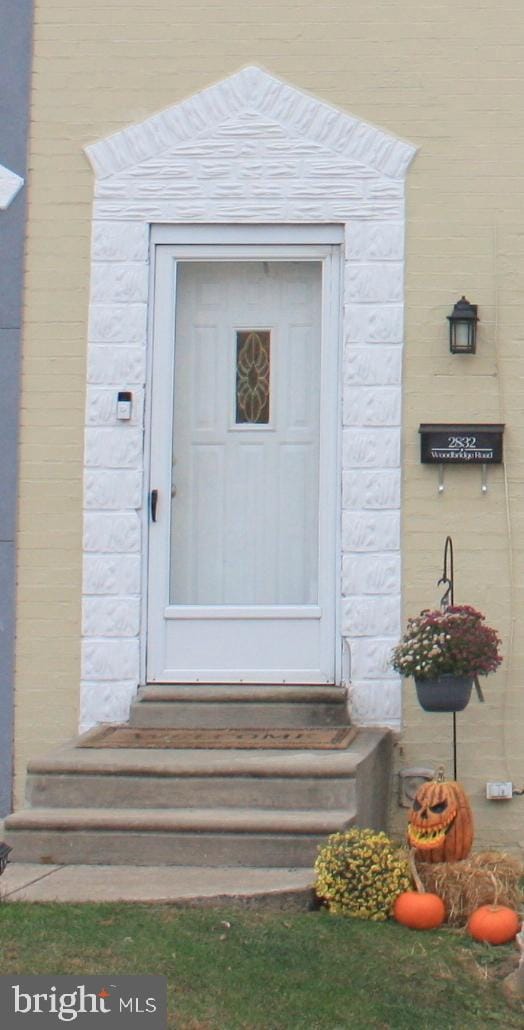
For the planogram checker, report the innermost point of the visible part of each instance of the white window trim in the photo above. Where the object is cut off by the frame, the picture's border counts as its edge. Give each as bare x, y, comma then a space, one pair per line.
10, 184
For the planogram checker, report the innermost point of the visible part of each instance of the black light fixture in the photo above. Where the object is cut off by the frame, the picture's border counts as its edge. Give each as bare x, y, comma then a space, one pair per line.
463, 327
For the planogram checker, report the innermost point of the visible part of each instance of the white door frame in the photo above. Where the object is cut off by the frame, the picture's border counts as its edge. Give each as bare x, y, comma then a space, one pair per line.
307, 243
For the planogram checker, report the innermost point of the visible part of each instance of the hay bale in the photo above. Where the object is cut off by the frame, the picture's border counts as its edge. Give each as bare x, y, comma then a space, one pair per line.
478, 880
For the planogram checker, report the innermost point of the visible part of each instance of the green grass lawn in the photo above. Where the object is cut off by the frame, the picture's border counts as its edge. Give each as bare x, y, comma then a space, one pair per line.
242, 970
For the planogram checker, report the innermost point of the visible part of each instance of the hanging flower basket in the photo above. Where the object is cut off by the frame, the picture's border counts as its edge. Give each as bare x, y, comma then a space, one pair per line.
444, 693
445, 652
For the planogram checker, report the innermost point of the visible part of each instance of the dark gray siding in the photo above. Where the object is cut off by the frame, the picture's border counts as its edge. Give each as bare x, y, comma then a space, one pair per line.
16, 19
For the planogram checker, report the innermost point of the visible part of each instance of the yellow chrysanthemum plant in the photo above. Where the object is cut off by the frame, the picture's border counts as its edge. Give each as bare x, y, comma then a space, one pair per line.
361, 873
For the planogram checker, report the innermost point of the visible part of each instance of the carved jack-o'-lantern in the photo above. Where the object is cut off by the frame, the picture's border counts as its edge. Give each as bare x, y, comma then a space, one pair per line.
440, 822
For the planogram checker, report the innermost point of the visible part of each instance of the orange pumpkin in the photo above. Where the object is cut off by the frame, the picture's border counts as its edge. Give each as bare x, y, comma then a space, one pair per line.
496, 924
419, 911
441, 822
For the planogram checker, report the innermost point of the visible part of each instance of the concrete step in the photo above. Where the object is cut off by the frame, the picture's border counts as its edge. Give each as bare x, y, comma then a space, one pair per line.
195, 807
71, 758
196, 692
215, 715
73, 776
210, 706
69, 790
205, 837
179, 778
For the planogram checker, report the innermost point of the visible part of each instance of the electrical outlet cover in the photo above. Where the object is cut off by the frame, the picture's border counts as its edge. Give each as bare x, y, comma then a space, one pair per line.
499, 790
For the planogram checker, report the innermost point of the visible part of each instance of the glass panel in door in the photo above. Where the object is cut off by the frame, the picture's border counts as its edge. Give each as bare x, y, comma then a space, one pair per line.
245, 474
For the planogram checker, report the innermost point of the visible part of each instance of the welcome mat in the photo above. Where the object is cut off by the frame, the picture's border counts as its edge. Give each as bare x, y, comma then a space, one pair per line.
328, 739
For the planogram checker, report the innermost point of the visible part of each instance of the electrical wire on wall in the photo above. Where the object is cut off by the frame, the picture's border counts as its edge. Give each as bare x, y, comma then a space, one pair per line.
508, 749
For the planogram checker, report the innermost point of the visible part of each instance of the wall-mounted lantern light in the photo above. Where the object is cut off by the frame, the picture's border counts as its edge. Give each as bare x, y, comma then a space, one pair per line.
463, 327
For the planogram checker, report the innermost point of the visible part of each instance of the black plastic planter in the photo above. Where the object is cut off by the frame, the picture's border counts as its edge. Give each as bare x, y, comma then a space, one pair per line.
445, 693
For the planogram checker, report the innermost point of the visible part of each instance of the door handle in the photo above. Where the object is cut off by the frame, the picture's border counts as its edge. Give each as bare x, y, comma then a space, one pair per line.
153, 500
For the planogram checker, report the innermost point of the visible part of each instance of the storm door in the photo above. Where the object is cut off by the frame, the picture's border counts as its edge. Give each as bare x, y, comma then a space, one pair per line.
242, 529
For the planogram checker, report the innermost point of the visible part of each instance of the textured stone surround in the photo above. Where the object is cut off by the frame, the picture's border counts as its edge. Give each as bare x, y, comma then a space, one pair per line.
248, 150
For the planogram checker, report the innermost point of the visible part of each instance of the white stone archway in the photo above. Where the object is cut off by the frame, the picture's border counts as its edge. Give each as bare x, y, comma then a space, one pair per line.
248, 150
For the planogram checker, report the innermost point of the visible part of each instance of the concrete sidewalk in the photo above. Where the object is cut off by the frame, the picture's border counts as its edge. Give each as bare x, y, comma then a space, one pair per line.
178, 885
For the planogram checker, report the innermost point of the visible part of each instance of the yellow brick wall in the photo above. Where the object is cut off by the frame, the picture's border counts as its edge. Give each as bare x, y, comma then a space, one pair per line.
448, 77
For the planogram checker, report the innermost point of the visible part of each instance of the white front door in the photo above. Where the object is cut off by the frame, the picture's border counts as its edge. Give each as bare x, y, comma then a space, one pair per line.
242, 530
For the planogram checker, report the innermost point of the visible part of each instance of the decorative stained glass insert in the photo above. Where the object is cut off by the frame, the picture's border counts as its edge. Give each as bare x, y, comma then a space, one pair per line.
252, 386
